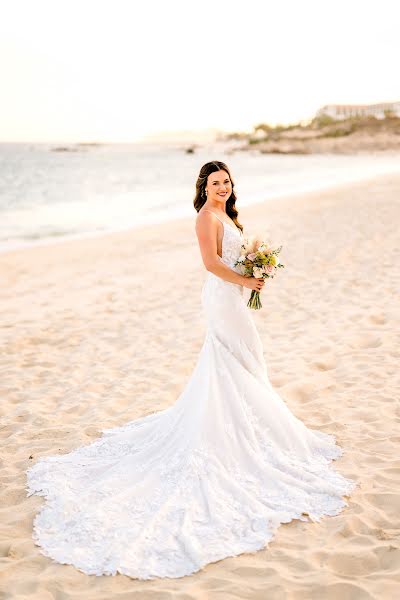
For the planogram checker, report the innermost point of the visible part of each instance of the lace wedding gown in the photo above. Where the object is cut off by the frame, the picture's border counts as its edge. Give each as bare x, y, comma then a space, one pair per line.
212, 476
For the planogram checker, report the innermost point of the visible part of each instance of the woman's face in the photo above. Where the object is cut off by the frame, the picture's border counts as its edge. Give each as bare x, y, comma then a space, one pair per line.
218, 187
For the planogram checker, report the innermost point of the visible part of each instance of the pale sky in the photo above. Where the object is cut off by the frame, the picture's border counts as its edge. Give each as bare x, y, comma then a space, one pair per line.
102, 70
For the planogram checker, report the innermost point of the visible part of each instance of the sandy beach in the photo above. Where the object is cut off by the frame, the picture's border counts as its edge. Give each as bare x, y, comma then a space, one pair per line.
97, 332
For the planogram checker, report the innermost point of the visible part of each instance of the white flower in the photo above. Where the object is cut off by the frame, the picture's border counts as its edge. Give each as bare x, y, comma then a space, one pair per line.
257, 272
241, 258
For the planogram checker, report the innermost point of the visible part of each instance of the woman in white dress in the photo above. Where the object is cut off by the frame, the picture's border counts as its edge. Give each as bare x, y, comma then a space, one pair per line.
213, 475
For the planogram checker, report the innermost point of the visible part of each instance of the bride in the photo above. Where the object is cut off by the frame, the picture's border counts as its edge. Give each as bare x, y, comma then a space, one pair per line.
213, 475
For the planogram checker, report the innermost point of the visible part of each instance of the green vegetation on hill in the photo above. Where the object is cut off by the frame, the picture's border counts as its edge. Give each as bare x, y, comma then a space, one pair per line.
322, 126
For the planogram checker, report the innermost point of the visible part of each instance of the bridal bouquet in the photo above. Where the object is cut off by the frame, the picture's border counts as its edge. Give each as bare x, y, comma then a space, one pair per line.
258, 259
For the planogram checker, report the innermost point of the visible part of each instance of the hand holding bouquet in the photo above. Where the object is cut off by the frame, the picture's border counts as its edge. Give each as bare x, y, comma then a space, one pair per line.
258, 259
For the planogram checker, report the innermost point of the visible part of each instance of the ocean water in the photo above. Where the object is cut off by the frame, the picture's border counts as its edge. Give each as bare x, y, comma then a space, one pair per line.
48, 195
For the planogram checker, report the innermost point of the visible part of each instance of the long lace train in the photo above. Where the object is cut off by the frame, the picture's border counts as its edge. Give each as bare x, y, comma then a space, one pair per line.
209, 477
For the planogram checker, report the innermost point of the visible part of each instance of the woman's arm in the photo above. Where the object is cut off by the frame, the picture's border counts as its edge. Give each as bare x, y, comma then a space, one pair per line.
207, 231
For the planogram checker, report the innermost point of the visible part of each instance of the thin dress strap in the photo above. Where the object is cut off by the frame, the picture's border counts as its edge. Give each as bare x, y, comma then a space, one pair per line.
207, 210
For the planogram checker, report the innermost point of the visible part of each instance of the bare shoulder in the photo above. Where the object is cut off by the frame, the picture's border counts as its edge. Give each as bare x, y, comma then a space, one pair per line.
206, 219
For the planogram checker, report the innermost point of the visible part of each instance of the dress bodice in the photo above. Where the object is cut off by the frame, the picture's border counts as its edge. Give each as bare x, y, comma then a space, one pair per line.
232, 240
231, 245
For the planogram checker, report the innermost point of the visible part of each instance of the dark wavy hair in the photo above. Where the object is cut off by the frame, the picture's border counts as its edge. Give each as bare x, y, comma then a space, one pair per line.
200, 197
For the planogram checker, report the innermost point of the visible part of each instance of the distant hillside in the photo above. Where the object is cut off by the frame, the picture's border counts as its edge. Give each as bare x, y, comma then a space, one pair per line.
324, 135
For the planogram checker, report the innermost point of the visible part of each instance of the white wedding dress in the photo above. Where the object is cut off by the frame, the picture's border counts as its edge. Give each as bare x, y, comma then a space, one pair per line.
212, 476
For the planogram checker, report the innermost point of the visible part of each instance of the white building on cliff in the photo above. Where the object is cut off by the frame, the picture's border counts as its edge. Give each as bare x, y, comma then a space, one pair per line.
344, 111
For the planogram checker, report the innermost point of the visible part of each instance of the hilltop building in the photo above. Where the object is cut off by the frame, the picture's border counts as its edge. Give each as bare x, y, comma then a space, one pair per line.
344, 111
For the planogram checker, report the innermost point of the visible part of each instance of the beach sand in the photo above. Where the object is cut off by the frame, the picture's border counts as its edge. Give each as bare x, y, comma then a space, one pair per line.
100, 331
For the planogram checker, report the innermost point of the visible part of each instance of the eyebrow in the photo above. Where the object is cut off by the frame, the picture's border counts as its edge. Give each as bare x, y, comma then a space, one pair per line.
216, 181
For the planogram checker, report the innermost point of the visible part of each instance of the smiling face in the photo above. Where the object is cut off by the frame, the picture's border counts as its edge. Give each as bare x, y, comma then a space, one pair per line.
219, 188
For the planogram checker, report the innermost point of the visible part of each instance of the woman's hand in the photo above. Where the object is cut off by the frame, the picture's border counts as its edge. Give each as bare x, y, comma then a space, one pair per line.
253, 283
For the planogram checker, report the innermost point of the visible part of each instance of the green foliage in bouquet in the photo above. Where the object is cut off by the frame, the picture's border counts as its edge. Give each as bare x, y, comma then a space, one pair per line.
259, 262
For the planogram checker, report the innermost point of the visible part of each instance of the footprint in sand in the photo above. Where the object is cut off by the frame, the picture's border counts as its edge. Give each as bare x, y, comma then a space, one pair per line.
386, 503
351, 564
324, 364
344, 590
365, 341
48, 434
389, 557
13, 496
377, 319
